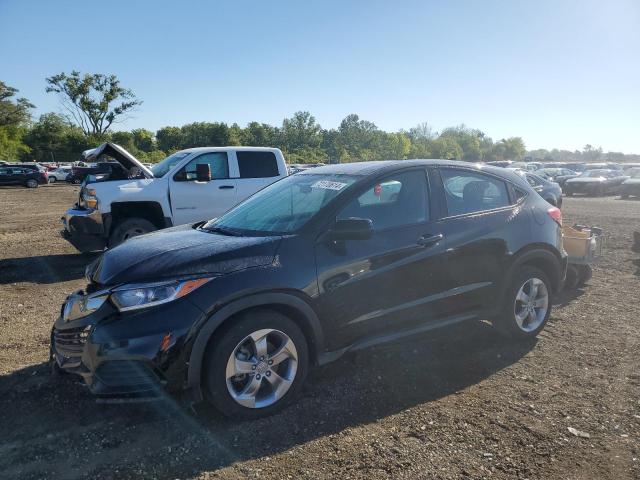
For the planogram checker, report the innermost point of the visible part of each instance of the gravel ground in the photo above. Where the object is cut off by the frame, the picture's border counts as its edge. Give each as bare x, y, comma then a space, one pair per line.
457, 404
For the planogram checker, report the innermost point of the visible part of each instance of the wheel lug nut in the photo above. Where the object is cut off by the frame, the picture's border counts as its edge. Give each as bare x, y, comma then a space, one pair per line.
261, 358
268, 374
253, 367
270, 362
258, 376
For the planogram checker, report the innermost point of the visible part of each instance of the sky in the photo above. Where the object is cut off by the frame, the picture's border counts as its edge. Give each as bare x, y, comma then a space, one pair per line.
560, 74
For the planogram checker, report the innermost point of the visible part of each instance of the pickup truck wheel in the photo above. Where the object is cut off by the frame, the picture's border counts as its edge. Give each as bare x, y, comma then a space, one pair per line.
132, 227
256, 365
527, 304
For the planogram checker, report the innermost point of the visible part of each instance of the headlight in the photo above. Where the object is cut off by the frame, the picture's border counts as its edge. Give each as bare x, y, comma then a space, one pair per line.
78, 306
89, 197
134, 296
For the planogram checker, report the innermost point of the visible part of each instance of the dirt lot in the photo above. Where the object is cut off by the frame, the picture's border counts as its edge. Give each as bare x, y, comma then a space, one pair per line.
462, 404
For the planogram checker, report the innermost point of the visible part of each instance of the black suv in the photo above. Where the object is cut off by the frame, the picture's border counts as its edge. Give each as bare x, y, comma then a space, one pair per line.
21, 175
332, 259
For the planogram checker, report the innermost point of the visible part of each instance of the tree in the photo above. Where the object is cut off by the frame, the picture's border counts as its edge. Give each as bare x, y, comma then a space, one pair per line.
143, 140
14, 117
510, 149
53, 138
300, 132
94, 101
169, 139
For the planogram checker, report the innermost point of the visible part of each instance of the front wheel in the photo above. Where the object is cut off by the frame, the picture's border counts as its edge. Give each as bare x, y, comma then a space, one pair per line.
132, 227
527, 304
256, 365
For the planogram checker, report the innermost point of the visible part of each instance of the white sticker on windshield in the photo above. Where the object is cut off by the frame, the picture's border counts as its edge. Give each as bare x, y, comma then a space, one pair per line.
327, 185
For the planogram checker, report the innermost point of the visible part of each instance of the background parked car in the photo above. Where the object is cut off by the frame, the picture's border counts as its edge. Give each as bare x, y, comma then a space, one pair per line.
550, 191
59, 174
112, 170
631, 186
595, 182
22, 176
558, 175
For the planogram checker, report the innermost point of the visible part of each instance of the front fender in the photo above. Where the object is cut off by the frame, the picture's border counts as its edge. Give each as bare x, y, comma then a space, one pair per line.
304, 315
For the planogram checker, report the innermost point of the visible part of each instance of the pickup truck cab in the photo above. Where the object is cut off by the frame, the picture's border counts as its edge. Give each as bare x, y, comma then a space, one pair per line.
186, 187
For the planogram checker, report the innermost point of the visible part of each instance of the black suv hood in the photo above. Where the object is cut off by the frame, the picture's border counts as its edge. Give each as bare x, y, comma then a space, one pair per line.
180, 251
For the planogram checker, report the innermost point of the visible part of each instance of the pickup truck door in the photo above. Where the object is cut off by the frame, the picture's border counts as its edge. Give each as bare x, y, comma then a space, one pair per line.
255, 170
193, 201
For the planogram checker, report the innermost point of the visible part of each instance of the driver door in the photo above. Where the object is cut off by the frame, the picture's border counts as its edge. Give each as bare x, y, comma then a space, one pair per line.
193, 200
390, 282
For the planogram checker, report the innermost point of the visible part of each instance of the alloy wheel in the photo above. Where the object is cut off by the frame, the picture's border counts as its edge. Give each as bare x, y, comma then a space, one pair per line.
531, 304
261, 368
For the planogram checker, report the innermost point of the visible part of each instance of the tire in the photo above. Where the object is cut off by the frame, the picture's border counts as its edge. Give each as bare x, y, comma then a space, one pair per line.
571, 280
31, 183
513, 307
76, 181
236, 340
129, 228
585, 272
52, 179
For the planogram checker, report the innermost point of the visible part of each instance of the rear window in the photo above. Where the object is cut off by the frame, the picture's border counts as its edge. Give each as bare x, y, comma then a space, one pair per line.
469, 192
257, 164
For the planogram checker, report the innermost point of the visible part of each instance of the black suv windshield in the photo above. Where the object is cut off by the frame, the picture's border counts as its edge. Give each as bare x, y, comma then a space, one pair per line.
159, 170
284, 206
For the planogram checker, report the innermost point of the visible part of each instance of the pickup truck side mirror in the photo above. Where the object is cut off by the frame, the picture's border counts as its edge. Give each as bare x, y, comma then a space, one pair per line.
203, 172
351, 229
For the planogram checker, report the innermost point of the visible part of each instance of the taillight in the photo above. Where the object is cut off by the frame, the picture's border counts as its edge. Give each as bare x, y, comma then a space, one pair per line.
555, 214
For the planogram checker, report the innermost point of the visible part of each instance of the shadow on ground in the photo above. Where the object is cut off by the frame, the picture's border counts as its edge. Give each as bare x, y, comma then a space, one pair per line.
51, 418
44, 268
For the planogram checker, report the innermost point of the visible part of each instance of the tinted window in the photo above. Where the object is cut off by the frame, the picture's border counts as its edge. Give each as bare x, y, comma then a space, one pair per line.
468, 192
257, 164
217, 162
533, 180
400, 199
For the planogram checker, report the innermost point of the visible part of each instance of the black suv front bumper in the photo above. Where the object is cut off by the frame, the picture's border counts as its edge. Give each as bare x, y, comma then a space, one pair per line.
126, 356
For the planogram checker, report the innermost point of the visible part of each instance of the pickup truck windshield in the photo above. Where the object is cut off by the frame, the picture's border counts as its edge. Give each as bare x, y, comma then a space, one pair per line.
282, 207
159, 170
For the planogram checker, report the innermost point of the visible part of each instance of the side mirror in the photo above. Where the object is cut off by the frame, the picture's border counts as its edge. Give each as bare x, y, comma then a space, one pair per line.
351, 229
203, 172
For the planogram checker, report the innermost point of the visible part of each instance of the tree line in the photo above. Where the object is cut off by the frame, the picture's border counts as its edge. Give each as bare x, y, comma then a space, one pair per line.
95, 103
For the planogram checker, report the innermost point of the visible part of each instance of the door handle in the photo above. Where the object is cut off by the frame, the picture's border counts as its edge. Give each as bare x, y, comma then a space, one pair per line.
426, 240
225, 187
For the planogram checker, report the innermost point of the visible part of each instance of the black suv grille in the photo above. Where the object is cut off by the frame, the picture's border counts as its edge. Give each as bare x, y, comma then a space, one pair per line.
70, 342
122, 373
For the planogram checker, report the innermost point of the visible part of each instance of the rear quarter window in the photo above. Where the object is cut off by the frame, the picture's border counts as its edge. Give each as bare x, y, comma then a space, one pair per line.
469, 192
257, 164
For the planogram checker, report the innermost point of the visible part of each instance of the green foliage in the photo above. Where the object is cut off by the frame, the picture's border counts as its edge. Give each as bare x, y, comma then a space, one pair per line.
94, 101
14, 117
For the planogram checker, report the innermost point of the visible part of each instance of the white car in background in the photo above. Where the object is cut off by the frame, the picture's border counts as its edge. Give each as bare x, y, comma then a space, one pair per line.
59, 174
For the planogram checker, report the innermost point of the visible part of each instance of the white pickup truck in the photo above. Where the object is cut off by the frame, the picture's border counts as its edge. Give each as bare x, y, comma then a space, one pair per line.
186, 187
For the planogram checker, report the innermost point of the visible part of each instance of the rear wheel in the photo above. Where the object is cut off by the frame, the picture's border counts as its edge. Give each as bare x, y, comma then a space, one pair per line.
31, 183
527, 304
255, 367
52, 179
129, 228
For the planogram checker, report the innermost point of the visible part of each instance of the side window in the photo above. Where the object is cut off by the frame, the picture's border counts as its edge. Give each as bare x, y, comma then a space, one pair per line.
218, 164
257, 164
4, 171
397, 200
533, 181
469, 192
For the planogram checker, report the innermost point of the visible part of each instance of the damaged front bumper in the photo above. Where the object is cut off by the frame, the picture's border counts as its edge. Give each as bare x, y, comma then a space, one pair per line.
84, 229
129, 356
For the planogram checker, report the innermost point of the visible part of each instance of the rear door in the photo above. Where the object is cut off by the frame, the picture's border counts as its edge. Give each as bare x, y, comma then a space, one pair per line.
255, 170
482, 226
5, 176
191, 200
392, 281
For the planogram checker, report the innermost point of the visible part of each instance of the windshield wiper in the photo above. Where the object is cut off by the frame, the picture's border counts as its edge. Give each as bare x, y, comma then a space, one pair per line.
224, 231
